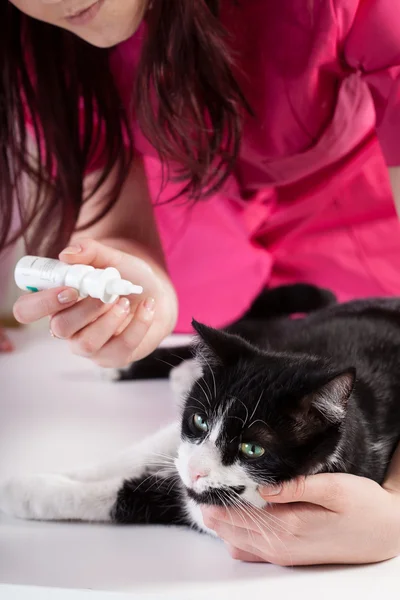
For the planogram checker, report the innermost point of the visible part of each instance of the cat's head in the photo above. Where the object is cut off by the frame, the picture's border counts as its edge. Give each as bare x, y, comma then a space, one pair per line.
253, 417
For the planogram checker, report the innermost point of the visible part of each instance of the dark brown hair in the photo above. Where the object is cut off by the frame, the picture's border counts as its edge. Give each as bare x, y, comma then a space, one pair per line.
186, 99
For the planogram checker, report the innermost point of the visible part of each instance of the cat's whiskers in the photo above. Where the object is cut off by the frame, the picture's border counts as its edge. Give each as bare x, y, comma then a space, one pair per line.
168, 470
279, 523
144, 481
174, 481
223, 501
212, 374
160, 459
238, 418
258, 421
203, 357
208, 387
208, 400
200, 402
270, 526
250, 507
177, 356
161, 454
165, 362
240, 510
256, 518
256, 406
245, 407
243, 508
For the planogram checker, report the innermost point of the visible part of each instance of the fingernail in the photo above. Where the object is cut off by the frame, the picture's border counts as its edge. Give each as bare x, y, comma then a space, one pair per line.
72, 250
149, 304
270, 490
68, 296
122, 307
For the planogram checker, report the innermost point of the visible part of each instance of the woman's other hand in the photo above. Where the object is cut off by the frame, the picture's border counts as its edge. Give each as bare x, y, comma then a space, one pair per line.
110, 335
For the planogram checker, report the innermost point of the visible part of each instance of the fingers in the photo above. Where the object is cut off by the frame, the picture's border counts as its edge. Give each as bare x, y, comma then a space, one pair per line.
94, 337
122, 350
282, 521
101, 256
243, 544
253, 539
5, 343
251, 519
67, 323
242, 555
111, 336
328, 490
32, 307
245, 539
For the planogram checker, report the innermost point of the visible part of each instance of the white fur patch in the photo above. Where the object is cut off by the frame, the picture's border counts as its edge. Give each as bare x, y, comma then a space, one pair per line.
59, 498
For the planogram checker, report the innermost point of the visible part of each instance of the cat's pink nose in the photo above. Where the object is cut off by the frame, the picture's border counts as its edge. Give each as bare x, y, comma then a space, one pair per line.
196, 474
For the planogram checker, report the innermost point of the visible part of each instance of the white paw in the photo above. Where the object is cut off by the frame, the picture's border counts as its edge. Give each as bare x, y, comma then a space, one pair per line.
183, 377
27, 497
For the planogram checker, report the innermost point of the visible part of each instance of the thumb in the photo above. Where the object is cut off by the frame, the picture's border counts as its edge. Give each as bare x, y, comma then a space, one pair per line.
327, 490
101, 256
88, 251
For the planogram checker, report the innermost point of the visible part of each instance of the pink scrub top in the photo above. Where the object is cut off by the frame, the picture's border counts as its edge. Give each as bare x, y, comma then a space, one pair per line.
309, 199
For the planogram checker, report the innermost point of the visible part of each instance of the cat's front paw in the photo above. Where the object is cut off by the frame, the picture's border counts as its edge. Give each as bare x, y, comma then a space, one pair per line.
27, 497
14, 500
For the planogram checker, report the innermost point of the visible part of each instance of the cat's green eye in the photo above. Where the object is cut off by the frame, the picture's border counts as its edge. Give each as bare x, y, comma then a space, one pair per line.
251, 450
200, 423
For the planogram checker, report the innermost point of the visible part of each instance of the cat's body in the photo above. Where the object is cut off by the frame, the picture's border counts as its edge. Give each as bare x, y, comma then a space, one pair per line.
306, 396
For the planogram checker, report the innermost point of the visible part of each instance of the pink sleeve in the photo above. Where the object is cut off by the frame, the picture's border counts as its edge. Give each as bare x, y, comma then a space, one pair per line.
372, 47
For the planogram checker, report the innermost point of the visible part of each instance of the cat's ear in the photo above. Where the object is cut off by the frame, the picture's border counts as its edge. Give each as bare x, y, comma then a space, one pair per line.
329, 401
221, 347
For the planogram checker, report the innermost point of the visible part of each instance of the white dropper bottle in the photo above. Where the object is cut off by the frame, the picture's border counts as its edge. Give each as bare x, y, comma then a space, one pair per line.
35, 274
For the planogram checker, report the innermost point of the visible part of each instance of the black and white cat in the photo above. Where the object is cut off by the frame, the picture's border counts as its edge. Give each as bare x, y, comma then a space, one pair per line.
267, 400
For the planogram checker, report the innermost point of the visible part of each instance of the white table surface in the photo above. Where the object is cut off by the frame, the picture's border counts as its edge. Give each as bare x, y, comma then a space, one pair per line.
57, 413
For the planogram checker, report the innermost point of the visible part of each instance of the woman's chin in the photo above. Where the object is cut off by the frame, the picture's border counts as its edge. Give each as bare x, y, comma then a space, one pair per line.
106, 38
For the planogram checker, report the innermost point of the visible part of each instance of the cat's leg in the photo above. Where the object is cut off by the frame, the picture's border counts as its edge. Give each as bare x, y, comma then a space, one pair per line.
149, 499
58, 498
101, 493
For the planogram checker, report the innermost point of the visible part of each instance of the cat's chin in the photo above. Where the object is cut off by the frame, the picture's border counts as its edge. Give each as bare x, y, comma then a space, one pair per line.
227, 496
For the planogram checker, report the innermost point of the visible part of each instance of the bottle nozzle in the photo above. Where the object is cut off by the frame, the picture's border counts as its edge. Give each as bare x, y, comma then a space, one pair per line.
121, 287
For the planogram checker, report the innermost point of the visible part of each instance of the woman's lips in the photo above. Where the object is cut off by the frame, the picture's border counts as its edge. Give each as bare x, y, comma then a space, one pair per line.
85, 16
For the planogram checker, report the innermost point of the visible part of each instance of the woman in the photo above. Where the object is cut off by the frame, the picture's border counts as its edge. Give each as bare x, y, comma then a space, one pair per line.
283, 116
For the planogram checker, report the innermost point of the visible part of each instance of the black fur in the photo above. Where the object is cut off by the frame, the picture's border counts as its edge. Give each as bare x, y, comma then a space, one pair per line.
157, 365
150, 500
219, 498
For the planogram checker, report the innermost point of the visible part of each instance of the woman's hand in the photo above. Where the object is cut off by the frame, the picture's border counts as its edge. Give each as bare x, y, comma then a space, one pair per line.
323, 519
111, 335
